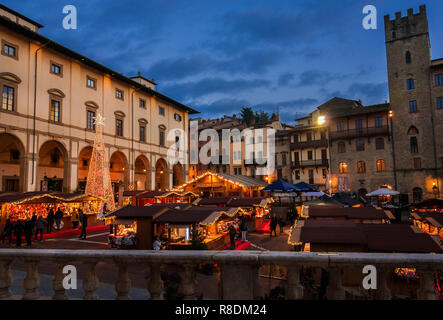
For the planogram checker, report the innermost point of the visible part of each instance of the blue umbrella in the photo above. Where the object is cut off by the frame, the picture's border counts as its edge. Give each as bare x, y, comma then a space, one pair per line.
279, 185
303, 187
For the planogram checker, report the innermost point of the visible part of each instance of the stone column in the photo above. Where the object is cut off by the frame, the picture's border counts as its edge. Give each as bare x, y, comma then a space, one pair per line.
123, 284
57, 282
335, 290
383, 292
155, 284
73, 182
171, 182
32, 186
5, 279
294, 289
152, 179
90, 283
427, 289
32, 281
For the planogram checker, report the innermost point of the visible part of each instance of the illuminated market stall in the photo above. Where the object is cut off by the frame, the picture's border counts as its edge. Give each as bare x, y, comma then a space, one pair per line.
20, 206
255, 209
428, 216
211, 184
141, 198
175, 227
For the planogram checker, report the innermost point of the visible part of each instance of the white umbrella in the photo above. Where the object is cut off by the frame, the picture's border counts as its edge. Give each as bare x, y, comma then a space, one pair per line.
382, 192
313, 194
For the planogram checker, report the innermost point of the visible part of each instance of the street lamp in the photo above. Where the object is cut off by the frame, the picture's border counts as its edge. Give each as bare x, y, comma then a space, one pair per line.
321, 120
435, 189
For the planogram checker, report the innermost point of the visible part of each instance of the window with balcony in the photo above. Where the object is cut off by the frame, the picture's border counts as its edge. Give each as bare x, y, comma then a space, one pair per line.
309, 136
379, 144
359, 125
360, 145
361, 167
413, 106
340, 126
341, 147
310, 155
378, 122
343, 167
381, 165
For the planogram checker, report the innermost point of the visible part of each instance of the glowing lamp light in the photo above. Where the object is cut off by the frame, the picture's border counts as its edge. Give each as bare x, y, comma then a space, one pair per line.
321, 120
391, 113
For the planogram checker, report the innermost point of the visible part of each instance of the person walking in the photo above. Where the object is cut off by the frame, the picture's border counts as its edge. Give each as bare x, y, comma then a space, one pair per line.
28, 230
84, 221
232, 233
50, 220
58, 218
7, 231
157, 245
75, 219
39, 227
273, 225
243, 230
18, 232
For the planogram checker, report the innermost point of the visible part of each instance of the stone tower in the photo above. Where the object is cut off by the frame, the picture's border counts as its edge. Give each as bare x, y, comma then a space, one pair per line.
410, 78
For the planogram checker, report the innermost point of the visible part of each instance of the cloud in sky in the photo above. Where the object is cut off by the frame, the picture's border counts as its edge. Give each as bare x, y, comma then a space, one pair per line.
219, 56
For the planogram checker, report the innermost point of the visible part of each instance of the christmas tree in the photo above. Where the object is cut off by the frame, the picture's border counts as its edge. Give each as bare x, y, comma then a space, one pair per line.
99, 178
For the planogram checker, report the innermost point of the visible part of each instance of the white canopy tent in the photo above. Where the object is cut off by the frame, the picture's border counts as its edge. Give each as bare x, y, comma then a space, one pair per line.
383, 192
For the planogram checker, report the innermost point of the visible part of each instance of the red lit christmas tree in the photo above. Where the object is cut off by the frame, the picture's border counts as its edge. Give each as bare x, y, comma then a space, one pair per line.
99, 179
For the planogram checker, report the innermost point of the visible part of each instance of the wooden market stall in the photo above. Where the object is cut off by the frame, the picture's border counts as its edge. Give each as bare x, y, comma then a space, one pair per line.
141, 198
20, 206
211, 184
255, 209
133, 226
175, 227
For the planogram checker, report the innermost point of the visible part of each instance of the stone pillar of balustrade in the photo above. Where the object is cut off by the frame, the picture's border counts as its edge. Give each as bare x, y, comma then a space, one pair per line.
335, 290
155, 283
31, 281
427, 290
5, 279
189, 282
123, 284
90, 282
294, 288
237, 281
383, 292
57, 282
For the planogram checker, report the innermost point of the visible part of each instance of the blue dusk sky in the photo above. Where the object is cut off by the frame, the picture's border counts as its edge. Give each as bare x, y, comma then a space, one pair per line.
218, 56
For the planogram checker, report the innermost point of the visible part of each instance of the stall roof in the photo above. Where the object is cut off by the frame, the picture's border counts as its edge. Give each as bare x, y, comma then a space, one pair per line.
202, 215
324, 200
375, 237
250, 202
43, 197
369, 213
131, 212
345, 199
215, 201
429, 204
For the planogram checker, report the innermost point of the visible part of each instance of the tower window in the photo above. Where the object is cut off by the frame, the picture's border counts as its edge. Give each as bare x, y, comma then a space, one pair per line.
410, 84
440, 103
439, 79
414, 145
413, 106
408, 57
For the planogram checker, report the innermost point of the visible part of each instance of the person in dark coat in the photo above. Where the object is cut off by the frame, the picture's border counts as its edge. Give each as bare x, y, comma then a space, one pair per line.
50, 220
273, 225
281, 224
39, 227
243, 230
18, 232
58, 218
84, 221
7, 231
28, 230
232, 233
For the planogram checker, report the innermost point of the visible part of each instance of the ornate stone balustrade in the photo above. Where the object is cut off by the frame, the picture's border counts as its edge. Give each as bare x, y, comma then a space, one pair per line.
239, 270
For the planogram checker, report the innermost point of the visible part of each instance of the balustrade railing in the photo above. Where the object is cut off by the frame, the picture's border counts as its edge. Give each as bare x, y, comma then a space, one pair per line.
238, 271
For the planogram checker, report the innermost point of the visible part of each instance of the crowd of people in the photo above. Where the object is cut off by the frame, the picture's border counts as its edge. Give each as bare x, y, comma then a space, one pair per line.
35, 226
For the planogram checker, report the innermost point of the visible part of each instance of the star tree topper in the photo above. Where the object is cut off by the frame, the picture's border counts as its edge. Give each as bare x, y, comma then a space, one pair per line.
99, 120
